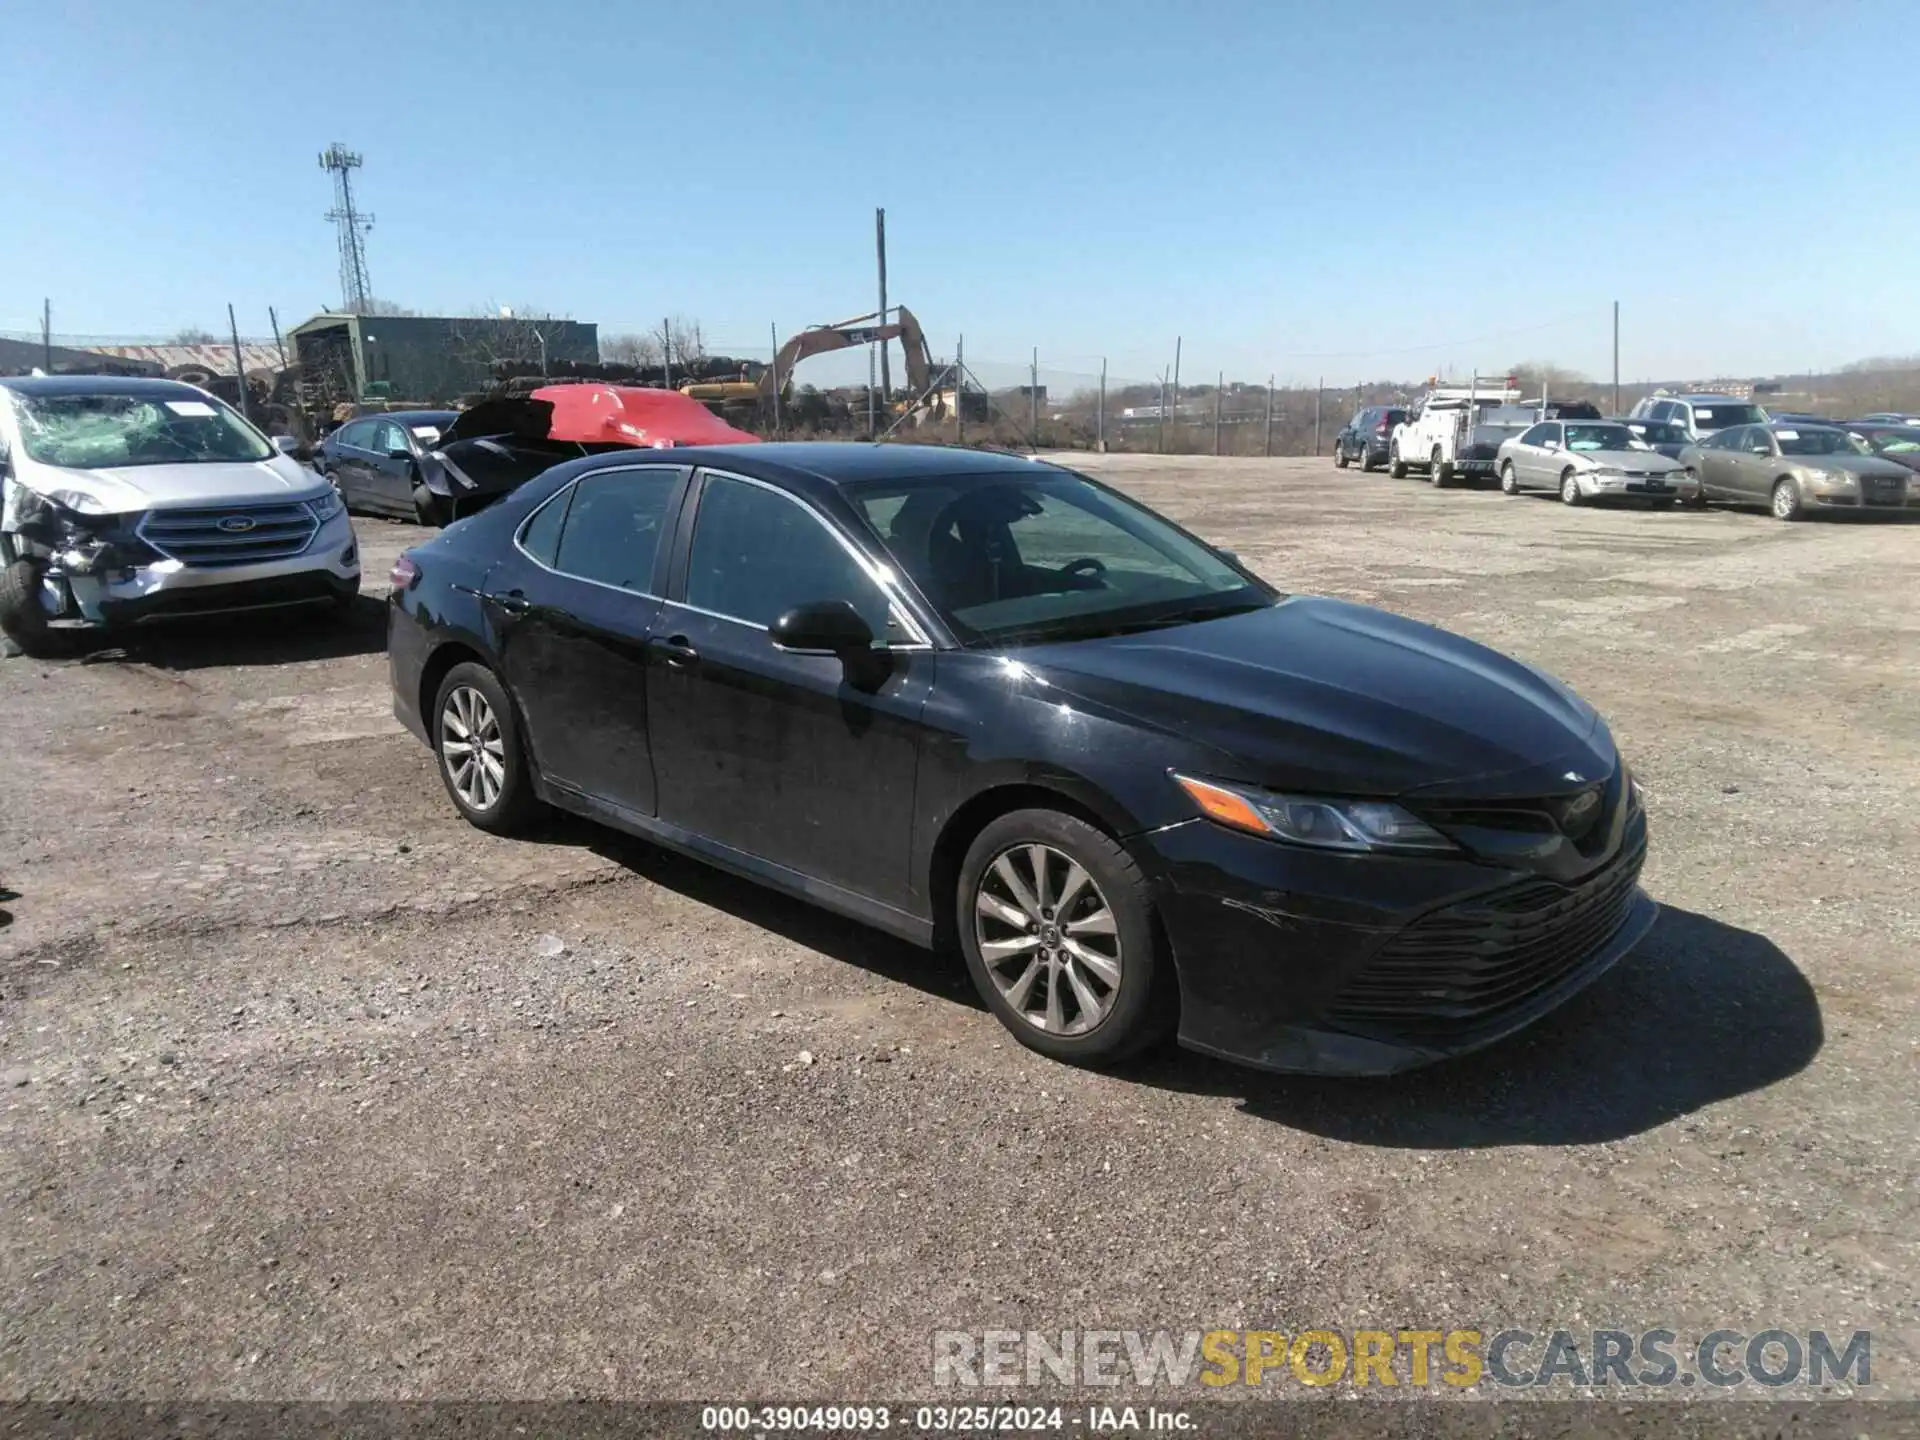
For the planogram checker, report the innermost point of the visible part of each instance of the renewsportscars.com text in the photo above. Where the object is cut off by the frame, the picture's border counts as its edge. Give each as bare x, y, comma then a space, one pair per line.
1458, 1358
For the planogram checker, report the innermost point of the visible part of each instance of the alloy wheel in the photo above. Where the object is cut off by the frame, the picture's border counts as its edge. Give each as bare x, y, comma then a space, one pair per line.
1569, 489
1786, 501
1048, 938
472, 748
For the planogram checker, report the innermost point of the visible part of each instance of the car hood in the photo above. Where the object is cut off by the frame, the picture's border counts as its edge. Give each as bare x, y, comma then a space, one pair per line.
154, 487
1627, 459
1336, 698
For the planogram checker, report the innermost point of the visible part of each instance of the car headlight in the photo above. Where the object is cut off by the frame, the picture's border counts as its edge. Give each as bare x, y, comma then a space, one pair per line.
1325, 824
1838, 479
1606, 472
326, 506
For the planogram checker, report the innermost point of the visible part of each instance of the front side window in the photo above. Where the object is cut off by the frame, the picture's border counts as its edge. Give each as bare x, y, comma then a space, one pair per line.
96, 432
613, 526
1819, 442
389, 438
758, 553
1049, 556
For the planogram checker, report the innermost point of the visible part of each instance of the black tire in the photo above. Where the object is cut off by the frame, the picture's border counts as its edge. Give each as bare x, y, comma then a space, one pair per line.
1787, 502
1439, 470
1509, 482
428, 508
514, 805
1396, 467
22, 620
1141, 1009
1664, 504
1367, 467
1570, 488
1339, 456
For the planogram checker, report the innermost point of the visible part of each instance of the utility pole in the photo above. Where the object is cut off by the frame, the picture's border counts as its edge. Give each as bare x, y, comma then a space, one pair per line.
666, 349
873, 419
960, 391
1100, 415
274, 320
1319, 387
1219, 388
1616, 357
773, 338
1033, 399
46, 336
1176, 383
1160, 443
1267, 447
239, 368
880, 248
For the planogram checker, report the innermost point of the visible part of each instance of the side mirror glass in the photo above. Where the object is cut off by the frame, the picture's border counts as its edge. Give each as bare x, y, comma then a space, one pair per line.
399, 454
823, 627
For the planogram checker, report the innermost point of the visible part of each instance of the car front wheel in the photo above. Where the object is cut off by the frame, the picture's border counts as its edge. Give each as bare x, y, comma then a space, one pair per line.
478, 743
1057, 926
1339, 456
1396, 467
1570, 488
1787, 504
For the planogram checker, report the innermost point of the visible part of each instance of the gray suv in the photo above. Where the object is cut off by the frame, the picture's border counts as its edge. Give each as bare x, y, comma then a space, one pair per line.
1699, 415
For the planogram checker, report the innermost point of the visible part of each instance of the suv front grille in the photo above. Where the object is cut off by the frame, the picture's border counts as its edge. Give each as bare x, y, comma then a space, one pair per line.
1461, 969
217, 537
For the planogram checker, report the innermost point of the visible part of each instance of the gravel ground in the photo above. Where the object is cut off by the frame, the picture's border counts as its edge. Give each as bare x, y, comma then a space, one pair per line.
309, 1090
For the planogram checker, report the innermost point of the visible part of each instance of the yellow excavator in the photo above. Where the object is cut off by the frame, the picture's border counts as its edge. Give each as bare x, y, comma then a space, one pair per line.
844, 335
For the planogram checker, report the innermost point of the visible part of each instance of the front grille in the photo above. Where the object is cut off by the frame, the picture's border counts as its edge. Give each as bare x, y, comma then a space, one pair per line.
196, 537
1461, 969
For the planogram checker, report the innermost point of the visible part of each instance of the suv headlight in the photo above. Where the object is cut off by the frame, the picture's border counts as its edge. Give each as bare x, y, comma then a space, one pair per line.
327, 506
78, 501
1324, 824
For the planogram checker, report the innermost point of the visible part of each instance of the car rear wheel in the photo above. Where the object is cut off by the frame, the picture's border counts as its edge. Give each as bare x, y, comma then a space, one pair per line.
1787, 503
1367, 466
477, 740
1057, 926
1509, 482
427, 507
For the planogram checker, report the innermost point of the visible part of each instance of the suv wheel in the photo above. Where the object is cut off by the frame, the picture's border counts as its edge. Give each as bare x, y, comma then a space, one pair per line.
23, 621
1396, 467
1439, 470
1057, 926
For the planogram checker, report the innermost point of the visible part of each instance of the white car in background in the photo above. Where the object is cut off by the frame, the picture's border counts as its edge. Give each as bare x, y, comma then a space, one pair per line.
124, 501
1583, 460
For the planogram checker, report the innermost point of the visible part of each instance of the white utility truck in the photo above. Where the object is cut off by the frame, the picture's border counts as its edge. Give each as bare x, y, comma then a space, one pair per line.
1457, 430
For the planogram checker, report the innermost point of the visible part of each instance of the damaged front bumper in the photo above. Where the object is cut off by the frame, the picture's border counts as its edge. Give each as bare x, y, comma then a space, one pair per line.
96, 570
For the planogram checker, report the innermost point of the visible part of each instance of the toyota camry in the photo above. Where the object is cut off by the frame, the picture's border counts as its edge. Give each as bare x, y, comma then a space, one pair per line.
986, 702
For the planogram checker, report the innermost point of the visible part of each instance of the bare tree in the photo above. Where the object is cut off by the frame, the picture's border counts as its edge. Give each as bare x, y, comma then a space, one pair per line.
681, 337
193, 335
486, 337
376, 306
635, 350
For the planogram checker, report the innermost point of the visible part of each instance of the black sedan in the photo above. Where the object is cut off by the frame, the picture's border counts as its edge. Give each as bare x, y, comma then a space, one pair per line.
978, 700
382, 464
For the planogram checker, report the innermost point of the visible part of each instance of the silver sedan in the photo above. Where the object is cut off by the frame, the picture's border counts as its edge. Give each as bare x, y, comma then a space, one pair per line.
1585, 460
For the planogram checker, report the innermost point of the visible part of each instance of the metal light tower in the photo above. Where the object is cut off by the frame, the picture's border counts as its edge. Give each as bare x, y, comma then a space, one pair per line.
351, 225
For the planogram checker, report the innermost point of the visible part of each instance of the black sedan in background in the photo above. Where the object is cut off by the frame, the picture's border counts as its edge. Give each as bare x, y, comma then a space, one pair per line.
381, 464
978, 700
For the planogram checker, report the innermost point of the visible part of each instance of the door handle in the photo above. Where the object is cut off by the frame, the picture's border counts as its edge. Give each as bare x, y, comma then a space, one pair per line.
514, 602
675, 650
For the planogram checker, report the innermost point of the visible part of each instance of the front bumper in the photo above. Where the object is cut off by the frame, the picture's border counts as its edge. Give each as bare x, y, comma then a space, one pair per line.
327, 570
1671, 487
1281, 952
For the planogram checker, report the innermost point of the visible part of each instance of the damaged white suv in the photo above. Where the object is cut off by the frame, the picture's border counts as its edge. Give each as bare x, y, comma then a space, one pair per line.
126, 501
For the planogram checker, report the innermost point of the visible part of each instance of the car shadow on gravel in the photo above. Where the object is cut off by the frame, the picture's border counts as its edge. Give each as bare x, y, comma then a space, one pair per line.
1700, 1011
273, 637
940, 975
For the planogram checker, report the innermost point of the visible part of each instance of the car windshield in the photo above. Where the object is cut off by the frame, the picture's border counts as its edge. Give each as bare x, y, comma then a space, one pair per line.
1896, 442
1719, 417
1601, 437
1050, 556
1818, 442
97, 432
1660, 432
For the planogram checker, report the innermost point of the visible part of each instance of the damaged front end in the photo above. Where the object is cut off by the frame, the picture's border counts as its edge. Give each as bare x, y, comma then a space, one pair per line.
60, 550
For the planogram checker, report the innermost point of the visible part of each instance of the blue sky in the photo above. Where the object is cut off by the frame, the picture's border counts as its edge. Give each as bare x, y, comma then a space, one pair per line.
1361, 189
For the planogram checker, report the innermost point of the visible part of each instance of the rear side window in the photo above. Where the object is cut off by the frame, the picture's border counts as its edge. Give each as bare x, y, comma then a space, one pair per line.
540, 538
611, 534
757, 554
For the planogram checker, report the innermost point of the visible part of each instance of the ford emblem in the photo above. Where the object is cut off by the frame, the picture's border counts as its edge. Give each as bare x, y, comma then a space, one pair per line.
236, 524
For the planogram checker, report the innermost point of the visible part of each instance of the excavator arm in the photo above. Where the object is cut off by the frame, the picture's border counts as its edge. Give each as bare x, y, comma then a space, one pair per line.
844, 334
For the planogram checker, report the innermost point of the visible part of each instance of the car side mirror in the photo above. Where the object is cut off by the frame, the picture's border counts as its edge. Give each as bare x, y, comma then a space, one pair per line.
399, 454
291, 447
823, 627
1549, 444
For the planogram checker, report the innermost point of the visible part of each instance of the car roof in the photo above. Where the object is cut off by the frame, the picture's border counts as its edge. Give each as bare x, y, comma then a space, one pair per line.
837, 463
1802, 425
96, 385
1705, 398
410, 416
